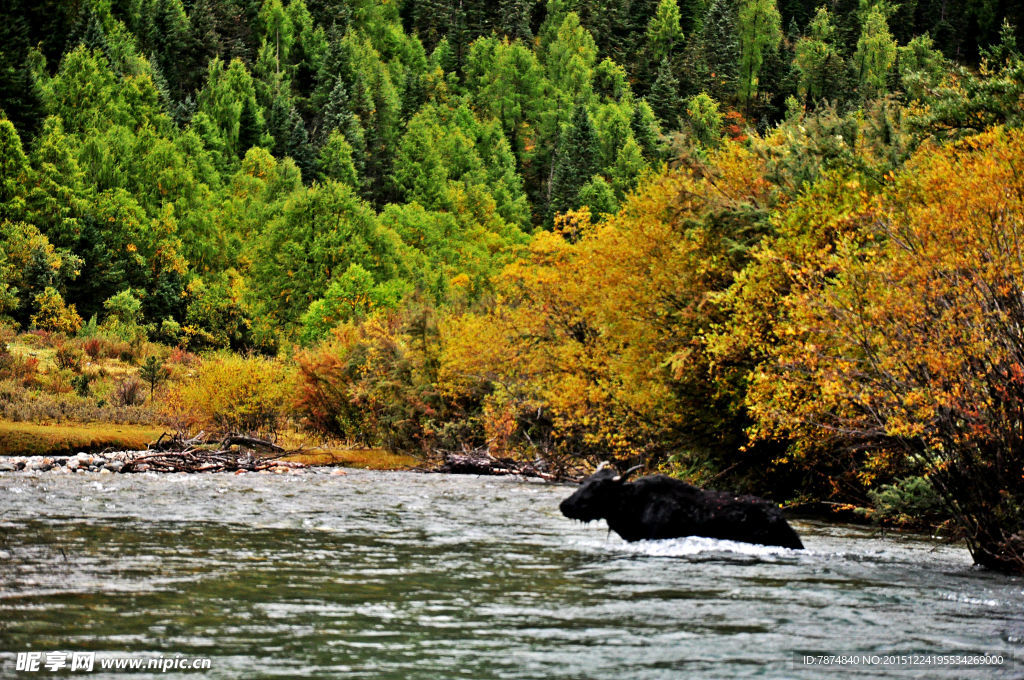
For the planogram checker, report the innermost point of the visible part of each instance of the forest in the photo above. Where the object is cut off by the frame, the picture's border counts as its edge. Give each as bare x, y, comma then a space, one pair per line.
772, 246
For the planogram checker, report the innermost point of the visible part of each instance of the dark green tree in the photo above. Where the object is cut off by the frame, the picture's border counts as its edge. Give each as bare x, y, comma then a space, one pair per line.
514, 19
575, 162
664, 95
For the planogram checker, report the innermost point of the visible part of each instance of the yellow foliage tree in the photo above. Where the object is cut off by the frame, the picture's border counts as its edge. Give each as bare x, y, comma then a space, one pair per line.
594, 345
905, 338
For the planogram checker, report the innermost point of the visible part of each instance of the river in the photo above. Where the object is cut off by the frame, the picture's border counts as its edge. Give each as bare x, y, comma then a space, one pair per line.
409, 576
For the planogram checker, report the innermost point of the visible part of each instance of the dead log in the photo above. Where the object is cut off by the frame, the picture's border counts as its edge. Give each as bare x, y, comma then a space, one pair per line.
480, 462
250, 442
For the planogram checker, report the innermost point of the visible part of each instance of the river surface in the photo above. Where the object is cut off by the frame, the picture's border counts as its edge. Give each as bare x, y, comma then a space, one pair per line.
408, 576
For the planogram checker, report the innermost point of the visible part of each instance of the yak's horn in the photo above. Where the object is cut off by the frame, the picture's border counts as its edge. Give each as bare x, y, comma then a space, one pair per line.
627, 473
602, 466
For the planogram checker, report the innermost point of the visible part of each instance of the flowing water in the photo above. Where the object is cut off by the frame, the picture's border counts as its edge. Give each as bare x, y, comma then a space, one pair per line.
407, 576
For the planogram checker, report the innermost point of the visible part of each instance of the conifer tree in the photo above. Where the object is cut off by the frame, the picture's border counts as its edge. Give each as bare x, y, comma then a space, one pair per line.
644, 126
338, 116
629, 165
599, 196
876, 52
13, 172
816, 61
335, 161
664, 94
718, 49
514, 17
760, 30
575, 162
704, 120
570, 59
664, 33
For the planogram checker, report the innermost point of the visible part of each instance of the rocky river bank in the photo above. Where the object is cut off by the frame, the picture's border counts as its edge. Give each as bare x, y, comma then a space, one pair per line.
119, 462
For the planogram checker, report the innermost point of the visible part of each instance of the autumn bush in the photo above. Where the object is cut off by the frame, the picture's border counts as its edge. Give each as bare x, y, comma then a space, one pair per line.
68, 357
231, 393
92, 347
374, 383
902, 339
128, 392
31, 404
592, 348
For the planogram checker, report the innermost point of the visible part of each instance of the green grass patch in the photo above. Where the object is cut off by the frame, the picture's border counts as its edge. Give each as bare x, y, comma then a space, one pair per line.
34, 439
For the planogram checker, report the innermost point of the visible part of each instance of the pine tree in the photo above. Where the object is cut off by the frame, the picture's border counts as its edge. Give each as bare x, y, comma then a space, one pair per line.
570, 59
718, 49
644, 126
664, 94
629, 165
297, 145
691, 15
760, 30
249, 131
13, 172
704, 120
876, 53
816, 59
599, 196
664, 32
575, 162
335, 161
514, 19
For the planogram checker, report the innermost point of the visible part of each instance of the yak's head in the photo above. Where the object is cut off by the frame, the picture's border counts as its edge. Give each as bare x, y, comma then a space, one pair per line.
597, 495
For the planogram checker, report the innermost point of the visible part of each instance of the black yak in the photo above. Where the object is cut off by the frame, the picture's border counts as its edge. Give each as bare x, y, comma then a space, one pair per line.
661, 507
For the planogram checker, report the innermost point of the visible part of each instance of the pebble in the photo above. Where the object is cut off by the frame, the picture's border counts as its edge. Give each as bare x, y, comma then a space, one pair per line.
114, 462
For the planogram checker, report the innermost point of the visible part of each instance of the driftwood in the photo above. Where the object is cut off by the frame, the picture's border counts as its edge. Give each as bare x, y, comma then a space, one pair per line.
202, 460
177, 442
481, 462
249, 442
177, 453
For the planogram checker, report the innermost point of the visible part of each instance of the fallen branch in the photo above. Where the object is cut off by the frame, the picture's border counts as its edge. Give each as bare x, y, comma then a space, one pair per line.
481, 462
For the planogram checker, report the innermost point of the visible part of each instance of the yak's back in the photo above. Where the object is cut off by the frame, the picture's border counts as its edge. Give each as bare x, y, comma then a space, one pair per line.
662, 507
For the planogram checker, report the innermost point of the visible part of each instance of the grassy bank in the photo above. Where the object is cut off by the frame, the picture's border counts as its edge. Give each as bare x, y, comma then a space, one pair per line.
36, 439
367, 459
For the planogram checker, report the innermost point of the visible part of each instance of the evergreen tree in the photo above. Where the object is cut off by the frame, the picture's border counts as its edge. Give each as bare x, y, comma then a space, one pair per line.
704, 120
664, 94
599, 196
876, 53
249, 132
514, 19
570, 59
760, 30
335, 161
228, 93
297, 146
718, 49
691, 15
13, 172
575, 162
644, 126
817, 62
276, 30
629, 166
664, 32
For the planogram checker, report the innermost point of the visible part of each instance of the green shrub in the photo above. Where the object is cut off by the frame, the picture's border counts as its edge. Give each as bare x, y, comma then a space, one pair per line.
912, 501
